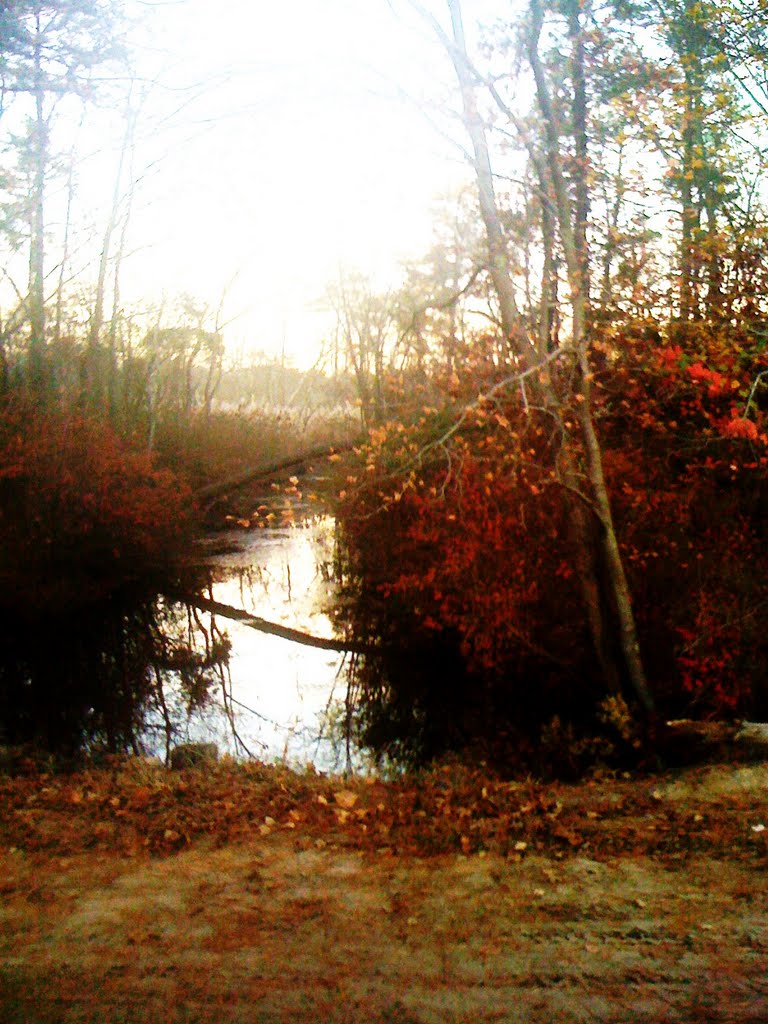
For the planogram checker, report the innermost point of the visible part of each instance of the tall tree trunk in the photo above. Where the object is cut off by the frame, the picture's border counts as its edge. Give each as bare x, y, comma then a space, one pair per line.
65, 246
95, 377
714, 268
498, 257
689, 211
692, 155
39, 144
618, 599
581, 138
597, 555
115, 392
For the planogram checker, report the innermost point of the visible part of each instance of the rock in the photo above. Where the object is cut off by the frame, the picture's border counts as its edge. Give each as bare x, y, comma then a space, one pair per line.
193, 755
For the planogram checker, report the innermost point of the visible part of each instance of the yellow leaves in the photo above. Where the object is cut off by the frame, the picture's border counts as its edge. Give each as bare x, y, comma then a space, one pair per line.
345, 798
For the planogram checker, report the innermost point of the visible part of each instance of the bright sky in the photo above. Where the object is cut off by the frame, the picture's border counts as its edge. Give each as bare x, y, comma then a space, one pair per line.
294, 157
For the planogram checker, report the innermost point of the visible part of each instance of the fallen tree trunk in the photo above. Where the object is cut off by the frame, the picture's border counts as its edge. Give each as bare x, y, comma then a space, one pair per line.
298, 636
269, 469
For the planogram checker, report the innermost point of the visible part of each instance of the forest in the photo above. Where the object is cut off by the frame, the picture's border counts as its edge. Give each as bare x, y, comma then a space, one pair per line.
547, 440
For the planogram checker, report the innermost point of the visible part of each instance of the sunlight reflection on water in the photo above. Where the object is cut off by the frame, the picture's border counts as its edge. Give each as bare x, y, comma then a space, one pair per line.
280, 689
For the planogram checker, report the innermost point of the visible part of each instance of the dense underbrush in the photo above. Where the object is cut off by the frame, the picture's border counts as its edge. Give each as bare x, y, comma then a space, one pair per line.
458, 559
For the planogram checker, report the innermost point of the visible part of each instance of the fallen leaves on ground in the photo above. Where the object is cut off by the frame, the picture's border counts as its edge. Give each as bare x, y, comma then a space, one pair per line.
134, 807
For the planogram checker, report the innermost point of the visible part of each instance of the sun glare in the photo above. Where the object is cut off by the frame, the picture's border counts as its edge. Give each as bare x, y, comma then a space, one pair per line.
284, 149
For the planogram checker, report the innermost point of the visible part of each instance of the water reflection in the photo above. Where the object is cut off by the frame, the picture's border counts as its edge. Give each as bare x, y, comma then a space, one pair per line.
275, 701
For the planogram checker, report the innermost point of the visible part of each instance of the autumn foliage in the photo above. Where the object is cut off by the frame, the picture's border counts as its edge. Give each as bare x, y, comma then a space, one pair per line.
90, 532
136, 807
82, 515
464, 545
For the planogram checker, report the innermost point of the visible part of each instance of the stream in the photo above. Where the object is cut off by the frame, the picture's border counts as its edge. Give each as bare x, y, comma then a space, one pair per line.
280, 691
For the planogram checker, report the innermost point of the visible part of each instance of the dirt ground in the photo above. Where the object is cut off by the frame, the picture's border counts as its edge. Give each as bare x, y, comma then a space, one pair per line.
613, 901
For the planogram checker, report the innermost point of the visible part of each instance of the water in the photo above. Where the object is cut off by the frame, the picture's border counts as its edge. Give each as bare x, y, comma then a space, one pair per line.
281, 691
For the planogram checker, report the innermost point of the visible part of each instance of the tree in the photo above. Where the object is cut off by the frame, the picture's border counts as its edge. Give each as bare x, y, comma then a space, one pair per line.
91, 533
598, 463
49, 55
365, 329
595, 544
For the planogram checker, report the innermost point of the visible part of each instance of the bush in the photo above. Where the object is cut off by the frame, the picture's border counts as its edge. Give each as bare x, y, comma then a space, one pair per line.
81, 516
90, 534
462, 550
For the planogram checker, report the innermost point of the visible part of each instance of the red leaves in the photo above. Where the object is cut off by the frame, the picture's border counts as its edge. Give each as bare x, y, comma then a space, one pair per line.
82, 513
465, 561
475, 540
716, 384
739, 427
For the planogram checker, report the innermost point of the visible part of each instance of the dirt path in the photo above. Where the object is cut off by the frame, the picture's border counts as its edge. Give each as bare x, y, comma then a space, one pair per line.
294, 927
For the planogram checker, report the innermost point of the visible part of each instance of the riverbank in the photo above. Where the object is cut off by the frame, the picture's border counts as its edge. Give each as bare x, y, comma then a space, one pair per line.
134, 894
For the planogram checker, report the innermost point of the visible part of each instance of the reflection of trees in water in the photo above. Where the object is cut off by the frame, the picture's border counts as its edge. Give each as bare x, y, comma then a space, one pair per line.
103, 676
286, 576
409, 698
193, 678
131, 671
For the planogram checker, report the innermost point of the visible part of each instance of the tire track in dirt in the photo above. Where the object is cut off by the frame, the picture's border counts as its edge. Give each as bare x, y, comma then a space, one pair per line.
285, 930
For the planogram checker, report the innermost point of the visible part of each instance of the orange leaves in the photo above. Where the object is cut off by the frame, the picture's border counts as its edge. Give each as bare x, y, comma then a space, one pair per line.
465, 541
455, 555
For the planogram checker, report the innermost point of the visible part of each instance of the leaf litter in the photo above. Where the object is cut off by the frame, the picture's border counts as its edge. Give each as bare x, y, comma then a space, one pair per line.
250, 892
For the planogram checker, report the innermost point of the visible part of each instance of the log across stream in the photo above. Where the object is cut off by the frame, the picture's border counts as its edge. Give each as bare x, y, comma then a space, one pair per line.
281, 690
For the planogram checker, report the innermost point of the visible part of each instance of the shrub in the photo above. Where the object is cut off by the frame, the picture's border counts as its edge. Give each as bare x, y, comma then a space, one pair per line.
81, 516
462, 549
90, 534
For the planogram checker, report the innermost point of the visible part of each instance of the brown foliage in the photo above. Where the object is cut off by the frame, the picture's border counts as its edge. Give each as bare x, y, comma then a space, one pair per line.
135, 807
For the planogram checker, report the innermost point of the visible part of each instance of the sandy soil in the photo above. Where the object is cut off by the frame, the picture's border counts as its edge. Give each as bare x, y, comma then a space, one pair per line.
294, 924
